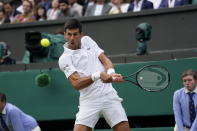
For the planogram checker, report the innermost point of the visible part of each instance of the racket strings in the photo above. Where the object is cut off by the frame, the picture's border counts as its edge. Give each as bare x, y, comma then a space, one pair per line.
150, 78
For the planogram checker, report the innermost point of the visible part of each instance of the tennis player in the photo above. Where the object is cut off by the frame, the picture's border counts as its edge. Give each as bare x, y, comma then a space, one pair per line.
91, 72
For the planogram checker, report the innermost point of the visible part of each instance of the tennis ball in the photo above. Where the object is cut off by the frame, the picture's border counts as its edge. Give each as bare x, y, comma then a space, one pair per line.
45, 42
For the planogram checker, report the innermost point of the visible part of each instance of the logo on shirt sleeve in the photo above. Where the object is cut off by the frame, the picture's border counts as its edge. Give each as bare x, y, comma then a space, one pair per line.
66, 68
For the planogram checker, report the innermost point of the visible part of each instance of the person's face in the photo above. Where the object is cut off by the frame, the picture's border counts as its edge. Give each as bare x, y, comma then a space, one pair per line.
189, 82
27, 7
73, 36
55, 3
8, 8
41, 12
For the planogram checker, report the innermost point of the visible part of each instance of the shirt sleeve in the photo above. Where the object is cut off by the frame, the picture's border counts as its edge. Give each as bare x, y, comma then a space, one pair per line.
16, 121
65, 64
89, 43
177, 111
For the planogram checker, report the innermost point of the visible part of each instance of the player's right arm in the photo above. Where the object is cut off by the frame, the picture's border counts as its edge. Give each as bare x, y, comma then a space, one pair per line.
80, 82
77, 81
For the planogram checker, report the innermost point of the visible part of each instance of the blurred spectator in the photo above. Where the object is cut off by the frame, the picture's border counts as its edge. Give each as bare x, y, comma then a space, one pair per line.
54, 11
40, 13
75, 6
10, 10
20, 8
156, 3
27, 15
138, 5
66, 11
5, 55
86, 4
119, 6
173, 3
3, 18
45, 3
99, 8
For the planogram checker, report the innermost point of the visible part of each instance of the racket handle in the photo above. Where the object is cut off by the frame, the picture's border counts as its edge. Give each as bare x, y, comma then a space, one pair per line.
113, 78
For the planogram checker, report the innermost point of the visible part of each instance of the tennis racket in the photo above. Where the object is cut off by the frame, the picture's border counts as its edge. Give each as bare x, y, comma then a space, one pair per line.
151, 78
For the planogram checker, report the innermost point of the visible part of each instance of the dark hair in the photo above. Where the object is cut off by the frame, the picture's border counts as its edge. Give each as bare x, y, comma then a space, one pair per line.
190, 72
73, 24
2, 97
11, 3
64, 1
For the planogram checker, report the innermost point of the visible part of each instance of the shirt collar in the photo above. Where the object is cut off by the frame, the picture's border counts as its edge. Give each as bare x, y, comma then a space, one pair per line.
186, 90
70, 51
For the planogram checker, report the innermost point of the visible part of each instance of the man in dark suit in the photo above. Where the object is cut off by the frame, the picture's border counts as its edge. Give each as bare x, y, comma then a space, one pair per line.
138, 5
173, 3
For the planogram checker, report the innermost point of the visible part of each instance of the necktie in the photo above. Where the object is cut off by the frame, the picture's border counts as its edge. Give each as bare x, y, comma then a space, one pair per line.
3, 125
191, 107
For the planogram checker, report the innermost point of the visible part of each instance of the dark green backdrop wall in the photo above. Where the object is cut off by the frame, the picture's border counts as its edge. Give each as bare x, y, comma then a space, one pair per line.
59, 100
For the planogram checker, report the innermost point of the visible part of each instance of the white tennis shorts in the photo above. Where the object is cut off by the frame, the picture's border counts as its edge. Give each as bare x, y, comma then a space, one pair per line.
109, 106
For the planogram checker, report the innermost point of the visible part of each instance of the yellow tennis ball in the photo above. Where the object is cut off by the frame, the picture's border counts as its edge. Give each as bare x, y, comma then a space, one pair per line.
45, 42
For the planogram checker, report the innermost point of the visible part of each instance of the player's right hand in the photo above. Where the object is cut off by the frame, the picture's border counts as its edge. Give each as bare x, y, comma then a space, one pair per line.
117, 77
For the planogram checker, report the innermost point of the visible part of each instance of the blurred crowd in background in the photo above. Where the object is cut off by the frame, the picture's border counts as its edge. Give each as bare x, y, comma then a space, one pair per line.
17, 11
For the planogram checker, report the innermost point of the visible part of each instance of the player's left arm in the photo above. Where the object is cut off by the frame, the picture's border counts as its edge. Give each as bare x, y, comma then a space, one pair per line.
109, 68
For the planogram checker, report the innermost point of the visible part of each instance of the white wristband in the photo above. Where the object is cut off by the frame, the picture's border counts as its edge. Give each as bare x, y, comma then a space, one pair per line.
95, 76
110, 70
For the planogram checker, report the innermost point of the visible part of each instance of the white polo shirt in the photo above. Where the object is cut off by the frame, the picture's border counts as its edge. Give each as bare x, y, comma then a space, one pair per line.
85, 62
